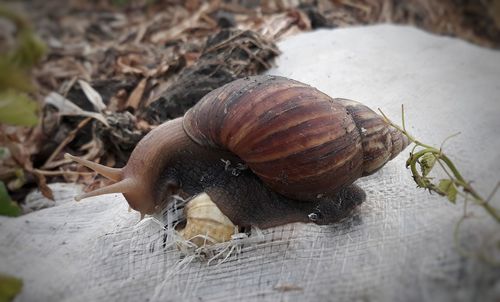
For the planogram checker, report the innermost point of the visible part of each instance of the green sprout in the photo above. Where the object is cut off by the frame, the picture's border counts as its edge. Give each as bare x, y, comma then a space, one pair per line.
423, 158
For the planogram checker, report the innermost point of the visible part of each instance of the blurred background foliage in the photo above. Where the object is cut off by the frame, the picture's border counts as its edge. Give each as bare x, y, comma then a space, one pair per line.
16, 105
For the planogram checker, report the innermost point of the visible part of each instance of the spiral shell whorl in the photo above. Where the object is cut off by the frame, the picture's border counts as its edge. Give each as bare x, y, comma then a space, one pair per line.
399, 141
381, 142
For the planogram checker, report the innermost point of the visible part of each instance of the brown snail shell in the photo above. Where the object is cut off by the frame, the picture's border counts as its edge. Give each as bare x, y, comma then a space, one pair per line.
298, 140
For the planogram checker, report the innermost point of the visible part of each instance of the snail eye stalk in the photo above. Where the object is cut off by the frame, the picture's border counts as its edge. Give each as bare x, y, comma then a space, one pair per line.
122, 185
110, 173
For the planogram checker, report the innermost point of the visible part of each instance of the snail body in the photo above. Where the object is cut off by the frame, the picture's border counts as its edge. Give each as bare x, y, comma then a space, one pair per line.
267, 151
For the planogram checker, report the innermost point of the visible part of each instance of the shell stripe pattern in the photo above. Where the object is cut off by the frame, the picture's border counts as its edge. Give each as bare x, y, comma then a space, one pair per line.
297, 139
381, 142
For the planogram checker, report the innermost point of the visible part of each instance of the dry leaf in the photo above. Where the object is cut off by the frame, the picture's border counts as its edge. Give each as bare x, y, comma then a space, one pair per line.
136, 96
173, 32
93, 96
66, 107
42, 185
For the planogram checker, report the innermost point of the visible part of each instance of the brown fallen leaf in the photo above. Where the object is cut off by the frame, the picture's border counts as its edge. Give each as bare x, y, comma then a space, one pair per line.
49, 162
22, 158
41, 181
135, 97
131, 64
173, 32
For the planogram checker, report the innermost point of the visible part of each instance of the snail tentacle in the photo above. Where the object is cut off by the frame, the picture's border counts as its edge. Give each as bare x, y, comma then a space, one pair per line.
115, 174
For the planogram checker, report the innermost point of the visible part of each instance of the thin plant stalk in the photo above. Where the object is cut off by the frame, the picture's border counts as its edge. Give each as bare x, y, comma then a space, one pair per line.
449, 186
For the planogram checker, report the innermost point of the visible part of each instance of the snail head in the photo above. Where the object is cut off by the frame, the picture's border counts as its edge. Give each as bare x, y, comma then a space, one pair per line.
133, 189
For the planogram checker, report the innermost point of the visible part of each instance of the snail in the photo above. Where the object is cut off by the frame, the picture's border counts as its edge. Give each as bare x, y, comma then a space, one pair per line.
266, 150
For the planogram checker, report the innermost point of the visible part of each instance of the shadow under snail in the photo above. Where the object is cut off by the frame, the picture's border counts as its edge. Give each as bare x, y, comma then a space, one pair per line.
266, 150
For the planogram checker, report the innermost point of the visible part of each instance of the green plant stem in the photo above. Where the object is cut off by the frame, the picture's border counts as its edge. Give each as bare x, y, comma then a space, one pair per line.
457, 178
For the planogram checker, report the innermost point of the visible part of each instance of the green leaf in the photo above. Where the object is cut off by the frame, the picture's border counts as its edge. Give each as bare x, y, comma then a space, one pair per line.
17, 109
9, 287
30, 49
7, 206
427, 162
448, 188
13, 77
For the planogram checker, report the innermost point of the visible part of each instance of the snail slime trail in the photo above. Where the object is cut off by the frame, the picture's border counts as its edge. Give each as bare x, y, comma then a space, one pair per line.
264, 151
